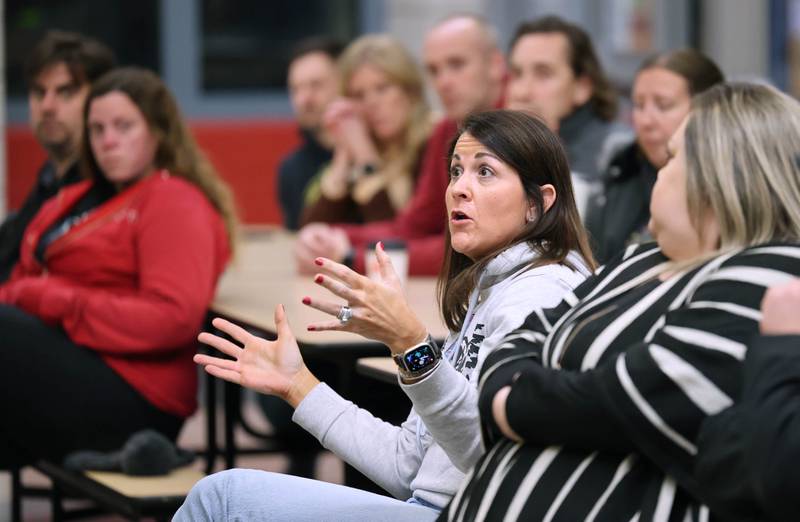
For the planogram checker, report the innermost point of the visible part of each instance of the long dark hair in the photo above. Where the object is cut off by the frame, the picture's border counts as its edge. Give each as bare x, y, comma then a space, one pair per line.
525, 144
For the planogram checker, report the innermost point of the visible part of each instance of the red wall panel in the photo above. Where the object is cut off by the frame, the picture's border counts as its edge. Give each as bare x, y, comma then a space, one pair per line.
245, 153
24, 157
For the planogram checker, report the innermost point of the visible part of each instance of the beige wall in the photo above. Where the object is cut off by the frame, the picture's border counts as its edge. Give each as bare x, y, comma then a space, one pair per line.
736, 34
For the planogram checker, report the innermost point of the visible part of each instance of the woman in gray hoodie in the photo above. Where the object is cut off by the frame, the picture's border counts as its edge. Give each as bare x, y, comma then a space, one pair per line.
514, 245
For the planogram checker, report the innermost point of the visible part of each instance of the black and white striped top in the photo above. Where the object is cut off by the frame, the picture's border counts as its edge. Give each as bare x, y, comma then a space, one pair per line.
610, 387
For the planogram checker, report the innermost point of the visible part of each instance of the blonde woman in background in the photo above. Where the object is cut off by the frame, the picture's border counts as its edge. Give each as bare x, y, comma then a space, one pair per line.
379, 127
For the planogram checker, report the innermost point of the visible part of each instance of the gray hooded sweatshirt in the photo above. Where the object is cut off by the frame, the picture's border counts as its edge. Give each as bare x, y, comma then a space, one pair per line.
426, 456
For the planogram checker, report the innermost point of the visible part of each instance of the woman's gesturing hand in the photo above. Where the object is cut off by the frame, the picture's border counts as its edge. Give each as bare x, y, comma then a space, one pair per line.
380, 310
273, 368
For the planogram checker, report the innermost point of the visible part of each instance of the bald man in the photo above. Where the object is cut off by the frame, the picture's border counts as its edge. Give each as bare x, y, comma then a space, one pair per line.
466, 68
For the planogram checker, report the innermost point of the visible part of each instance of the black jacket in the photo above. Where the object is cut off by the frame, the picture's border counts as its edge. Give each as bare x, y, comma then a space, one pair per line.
619, 215
748, 455
13, 228
294, 173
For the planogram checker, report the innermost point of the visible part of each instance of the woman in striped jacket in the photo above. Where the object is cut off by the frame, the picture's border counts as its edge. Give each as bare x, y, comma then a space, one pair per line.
590, 411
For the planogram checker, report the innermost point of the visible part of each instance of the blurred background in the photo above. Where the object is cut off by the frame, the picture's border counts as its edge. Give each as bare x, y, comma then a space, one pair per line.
226, 60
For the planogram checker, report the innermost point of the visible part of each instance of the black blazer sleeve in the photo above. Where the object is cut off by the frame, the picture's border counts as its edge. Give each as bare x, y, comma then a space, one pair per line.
748, 456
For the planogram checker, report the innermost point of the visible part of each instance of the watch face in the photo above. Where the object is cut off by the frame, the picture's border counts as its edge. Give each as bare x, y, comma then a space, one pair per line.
419, 358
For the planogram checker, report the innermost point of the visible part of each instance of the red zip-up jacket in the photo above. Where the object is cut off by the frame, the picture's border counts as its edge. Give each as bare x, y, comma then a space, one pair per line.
133, 281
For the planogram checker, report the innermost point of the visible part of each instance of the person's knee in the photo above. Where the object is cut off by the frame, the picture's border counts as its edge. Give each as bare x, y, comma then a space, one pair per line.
234, 494
208, 498
212, 485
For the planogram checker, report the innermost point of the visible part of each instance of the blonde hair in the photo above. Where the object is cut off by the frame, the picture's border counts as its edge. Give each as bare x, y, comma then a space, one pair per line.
742, 151
388, 55
177, 150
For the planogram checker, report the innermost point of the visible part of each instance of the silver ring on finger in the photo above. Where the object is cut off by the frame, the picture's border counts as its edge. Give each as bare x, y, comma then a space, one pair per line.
344, 315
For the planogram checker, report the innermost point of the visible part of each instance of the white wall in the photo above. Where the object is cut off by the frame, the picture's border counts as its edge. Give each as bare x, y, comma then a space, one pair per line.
736, 34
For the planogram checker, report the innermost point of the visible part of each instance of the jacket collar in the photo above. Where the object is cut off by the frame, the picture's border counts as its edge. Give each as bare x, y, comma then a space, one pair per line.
515, 259
504, 264
570, 127
48, 181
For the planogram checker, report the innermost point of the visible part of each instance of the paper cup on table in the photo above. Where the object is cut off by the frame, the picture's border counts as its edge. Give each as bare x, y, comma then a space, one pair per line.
396, 250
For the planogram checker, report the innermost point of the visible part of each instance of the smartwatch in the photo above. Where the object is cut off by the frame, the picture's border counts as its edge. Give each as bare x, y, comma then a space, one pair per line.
419, 360
367, 169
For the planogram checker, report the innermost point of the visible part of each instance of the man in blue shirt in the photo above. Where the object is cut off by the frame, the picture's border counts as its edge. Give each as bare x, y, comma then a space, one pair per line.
313, 82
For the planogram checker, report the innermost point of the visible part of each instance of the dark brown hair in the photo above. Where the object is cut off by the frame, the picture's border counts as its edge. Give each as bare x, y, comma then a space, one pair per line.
326, 45
699, 71
86, 58
177, 150
583, 60
526, 145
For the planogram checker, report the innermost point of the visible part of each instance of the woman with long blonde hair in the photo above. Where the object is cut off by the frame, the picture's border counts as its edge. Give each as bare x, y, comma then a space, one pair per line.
380, 127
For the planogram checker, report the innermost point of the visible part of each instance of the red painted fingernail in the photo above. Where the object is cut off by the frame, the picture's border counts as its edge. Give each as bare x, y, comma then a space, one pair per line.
306, 300
318, 279
380, 245
311, 328
318, 261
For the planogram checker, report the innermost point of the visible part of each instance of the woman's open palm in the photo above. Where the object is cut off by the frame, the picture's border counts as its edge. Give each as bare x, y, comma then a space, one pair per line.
269, 367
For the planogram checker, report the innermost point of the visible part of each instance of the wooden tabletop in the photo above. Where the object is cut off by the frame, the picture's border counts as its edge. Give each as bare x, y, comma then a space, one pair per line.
381, 368
264, 275
176, 483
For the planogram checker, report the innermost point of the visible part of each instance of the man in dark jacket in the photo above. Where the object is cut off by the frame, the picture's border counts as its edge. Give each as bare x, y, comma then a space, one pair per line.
748, 455
59, 72
313, 83
556, 74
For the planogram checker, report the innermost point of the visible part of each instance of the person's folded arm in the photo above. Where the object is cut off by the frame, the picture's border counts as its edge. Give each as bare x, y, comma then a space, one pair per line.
772, 398
518, 351
446, 400
747, 454
562, 407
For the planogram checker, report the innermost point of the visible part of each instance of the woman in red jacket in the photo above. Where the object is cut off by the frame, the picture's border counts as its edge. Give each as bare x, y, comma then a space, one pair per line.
99, 317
